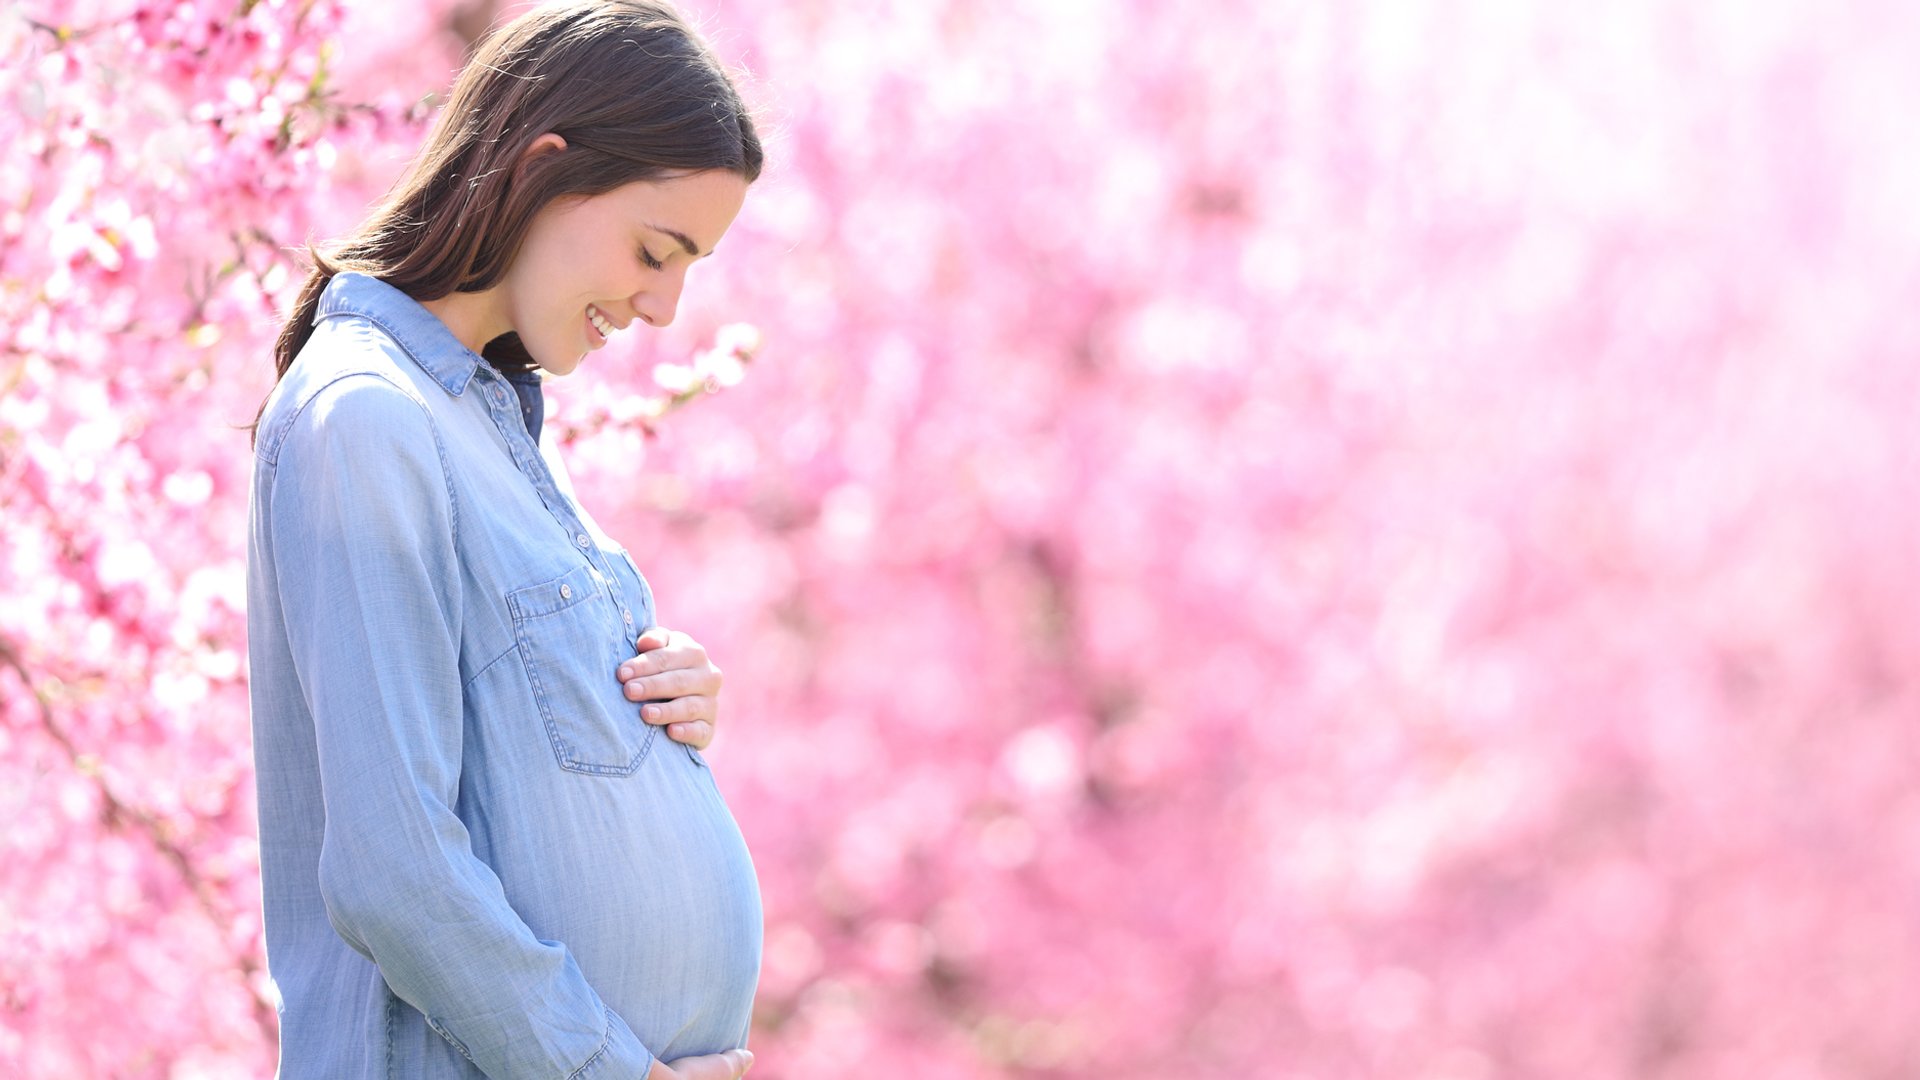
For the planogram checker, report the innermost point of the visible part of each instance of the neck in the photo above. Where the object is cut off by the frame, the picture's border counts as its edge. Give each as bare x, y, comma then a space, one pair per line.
470, 315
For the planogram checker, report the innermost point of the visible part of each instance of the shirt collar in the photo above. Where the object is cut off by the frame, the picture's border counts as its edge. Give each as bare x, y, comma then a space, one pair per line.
419, 331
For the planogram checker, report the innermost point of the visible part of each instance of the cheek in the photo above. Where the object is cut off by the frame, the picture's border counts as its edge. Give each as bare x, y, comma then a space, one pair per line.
543, 290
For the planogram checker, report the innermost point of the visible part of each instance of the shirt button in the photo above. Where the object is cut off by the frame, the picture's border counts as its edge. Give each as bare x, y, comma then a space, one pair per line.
627, 615
583, 540
566, 592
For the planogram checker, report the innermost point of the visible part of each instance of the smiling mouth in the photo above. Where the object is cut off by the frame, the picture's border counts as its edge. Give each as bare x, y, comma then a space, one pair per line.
601, 324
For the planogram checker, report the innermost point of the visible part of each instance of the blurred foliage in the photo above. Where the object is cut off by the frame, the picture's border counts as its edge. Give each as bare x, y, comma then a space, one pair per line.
1263, 538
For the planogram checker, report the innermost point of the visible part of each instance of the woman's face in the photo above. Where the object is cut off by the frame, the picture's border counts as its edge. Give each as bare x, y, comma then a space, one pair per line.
591, 266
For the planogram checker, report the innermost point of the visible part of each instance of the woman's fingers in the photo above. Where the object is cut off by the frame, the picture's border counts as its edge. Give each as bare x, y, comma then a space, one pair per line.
684, 710
656, 637
663, 658
681, 682
697, 734
677, 685
677, 652
727, 1066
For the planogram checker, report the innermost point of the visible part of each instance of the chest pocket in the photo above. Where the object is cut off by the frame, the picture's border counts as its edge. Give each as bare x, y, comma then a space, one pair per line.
571, 639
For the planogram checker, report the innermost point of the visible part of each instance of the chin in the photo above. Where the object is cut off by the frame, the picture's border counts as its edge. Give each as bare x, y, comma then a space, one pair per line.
559, 367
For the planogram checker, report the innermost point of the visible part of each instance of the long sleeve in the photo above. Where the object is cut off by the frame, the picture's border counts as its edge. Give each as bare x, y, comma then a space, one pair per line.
362, 530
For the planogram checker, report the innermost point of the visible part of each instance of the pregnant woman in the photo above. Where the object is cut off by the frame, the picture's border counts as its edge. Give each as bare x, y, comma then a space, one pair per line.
489, 844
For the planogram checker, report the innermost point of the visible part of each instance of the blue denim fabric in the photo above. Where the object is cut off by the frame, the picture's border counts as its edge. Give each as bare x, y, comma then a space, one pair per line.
477, 859
533, 403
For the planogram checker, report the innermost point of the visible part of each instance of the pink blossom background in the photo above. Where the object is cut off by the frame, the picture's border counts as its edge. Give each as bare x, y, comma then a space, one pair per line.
1264, 539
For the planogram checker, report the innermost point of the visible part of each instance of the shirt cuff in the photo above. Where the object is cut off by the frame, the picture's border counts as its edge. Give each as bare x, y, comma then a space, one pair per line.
620, 1057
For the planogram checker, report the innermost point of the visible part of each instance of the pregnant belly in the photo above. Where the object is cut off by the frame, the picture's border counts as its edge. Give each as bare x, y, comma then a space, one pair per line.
646, 880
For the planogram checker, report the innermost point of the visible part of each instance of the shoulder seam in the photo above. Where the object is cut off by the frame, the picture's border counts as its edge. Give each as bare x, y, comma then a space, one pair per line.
391, 332
270, 453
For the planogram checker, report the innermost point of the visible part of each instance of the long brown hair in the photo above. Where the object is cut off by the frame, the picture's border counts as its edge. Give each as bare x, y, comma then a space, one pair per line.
631, 88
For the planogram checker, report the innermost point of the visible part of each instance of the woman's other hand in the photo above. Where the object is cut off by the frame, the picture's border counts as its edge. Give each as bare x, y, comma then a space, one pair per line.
681, 687
727, 1066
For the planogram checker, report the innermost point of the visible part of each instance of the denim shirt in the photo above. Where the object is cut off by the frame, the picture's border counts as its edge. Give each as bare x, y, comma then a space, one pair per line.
476, 858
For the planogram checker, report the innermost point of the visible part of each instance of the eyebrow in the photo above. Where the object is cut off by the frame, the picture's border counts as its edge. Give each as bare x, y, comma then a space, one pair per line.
691, 248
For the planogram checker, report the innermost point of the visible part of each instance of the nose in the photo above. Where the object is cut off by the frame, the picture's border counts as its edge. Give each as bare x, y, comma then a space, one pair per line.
656, 304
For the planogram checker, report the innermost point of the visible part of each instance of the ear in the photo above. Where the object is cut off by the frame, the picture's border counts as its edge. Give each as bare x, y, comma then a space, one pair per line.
547, 143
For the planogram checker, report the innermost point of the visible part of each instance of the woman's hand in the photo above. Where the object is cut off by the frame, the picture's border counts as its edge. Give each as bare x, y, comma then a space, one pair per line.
680, 686
727, 1066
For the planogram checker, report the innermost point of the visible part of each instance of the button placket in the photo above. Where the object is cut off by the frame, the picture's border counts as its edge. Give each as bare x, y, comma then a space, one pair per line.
534, 468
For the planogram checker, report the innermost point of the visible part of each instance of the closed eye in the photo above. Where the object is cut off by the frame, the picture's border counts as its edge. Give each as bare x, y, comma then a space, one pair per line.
651, 262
